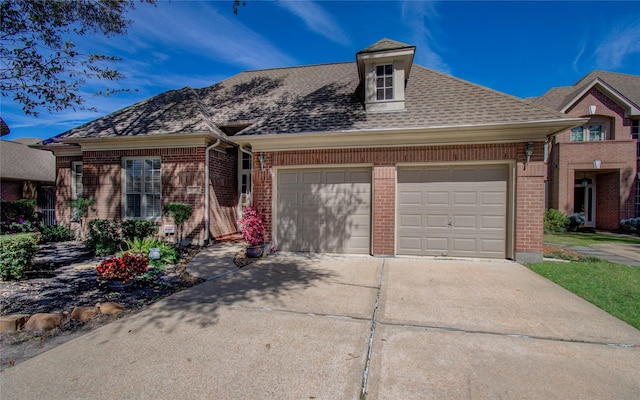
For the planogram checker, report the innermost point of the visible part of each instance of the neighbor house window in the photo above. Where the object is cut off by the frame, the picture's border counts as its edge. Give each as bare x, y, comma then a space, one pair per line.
592, 132
142, 188
384, 82
76, 179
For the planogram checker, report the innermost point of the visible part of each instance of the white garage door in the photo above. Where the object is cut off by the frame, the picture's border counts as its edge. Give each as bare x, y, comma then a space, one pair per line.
324, 210
458, 211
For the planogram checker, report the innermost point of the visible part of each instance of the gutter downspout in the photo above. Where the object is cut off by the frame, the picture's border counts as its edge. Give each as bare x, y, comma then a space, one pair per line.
207, 205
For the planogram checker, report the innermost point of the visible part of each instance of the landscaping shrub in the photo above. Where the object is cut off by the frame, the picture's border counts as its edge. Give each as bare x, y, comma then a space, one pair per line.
104, 236
168, 254
16, 253
135, 228
123, 268
56, 233
630, 225
555, 220
180, 213
576, 220
19, 209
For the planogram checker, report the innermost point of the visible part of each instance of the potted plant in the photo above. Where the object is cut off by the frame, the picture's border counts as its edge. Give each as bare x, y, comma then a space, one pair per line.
119, 272
252, 228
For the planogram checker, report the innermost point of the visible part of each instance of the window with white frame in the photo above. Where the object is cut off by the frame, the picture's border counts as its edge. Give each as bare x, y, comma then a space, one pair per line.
384, 82
142, 186
596, 130
76, 179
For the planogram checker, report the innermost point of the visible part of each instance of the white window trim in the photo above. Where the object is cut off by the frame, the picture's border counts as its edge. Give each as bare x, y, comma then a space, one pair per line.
74, 179
384, 77
143, 201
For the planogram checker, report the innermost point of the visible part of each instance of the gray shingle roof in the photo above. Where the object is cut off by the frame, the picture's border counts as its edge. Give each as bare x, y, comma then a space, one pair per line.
626, 85
316, 98
20, 162
385, 45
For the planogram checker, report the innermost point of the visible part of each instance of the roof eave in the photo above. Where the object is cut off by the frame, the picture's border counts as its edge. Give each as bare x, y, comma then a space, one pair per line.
425, 136
175, 140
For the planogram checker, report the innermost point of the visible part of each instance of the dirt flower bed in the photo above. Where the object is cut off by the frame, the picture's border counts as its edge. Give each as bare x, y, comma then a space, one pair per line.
76, 284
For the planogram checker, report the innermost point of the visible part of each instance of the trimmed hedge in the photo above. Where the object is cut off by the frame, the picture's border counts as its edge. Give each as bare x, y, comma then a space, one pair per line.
108, 236
16, 254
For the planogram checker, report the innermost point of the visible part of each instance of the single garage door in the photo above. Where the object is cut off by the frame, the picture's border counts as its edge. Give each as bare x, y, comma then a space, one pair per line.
324, 210
458, 211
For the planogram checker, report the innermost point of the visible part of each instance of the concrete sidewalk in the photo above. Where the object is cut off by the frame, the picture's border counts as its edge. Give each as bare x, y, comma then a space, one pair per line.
295, 327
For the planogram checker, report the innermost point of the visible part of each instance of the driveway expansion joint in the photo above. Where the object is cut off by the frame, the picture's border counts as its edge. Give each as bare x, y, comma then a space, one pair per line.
514, 335
374, 323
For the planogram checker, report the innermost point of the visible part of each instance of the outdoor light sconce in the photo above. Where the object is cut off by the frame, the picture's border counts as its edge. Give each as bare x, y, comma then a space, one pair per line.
528, 151
592, 110
261, 159
596, 164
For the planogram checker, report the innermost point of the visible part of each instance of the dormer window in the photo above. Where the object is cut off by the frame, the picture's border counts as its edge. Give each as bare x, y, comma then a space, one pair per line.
384, 82
384, 69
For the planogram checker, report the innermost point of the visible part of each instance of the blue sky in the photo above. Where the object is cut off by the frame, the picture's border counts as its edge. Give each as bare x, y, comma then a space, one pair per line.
520, 48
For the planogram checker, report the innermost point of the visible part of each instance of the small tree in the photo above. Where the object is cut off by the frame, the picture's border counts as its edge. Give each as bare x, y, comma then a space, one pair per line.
180, 213
80, 210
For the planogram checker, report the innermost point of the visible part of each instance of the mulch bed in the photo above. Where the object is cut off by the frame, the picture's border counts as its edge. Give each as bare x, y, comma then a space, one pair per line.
76, 284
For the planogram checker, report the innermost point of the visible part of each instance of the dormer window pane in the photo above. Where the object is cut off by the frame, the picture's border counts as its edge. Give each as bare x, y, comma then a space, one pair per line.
595, 132
384, 82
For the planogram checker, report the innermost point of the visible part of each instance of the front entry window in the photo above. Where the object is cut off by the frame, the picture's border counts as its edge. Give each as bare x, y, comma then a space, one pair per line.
584, 200
142, 188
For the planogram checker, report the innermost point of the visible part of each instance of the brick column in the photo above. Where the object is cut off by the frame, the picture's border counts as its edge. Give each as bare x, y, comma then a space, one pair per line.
529, 211
384, 206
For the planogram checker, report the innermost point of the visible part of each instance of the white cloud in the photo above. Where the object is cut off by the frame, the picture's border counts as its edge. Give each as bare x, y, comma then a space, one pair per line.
423, 20
199, 29
317, 20
620, 43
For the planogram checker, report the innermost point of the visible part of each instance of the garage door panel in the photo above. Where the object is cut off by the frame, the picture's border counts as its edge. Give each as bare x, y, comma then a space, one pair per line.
463, 210
464, 221
464, 198
436, 221
324, 210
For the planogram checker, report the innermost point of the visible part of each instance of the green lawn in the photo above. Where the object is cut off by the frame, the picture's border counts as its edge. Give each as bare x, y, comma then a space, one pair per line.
587, 239
612, 287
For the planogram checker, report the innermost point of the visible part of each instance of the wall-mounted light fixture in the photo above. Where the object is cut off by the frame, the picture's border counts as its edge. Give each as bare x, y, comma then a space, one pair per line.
592, 110
596, 164
528, 151
261, 159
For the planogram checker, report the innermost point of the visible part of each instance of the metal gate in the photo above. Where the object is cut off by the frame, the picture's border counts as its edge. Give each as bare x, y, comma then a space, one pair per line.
47, 200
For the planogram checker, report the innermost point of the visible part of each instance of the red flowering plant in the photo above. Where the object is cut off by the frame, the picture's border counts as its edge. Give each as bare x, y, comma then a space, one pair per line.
252, 226
123, 268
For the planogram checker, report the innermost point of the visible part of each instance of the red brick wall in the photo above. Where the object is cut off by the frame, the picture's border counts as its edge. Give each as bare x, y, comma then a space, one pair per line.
64, 189
529, 184
10, 190
181, 168
223, 195
608, 202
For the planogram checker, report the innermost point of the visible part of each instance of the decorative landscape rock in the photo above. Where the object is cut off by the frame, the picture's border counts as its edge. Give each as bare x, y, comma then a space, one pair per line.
110, 307
84, 314
13, 322
46, 321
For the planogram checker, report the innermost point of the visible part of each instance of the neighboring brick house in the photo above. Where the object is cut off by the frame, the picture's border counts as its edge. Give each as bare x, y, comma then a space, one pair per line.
593, 168
377, 156
27, 173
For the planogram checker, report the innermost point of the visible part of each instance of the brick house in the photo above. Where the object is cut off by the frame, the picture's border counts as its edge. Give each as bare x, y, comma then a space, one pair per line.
27, 173
593, 168
377, 156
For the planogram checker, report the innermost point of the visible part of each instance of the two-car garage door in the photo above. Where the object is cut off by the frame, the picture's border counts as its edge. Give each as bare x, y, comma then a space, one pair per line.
456, 211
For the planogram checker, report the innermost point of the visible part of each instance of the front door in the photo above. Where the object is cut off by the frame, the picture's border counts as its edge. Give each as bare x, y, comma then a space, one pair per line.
584, 200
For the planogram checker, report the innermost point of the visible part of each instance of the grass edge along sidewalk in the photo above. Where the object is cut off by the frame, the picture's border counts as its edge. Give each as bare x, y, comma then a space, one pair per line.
614, 288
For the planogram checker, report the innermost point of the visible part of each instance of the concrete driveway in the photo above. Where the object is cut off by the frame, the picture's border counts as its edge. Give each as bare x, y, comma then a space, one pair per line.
292, 327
